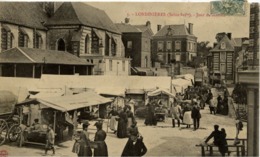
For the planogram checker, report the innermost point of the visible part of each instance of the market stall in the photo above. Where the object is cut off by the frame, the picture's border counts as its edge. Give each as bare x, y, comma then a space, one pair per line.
61, 111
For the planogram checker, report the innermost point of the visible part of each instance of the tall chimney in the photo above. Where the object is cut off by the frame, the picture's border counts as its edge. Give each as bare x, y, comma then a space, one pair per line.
191, 28
229, 35
159, 27
127, 20
214, 44
148, 24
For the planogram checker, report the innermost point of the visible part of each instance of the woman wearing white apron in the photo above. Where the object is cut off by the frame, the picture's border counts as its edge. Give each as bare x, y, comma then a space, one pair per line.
113, 120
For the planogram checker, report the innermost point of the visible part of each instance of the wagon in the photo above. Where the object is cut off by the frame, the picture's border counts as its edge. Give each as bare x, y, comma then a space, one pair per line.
9, 119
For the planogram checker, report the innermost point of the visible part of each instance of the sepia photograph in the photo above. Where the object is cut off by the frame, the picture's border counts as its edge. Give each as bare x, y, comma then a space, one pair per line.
130, 78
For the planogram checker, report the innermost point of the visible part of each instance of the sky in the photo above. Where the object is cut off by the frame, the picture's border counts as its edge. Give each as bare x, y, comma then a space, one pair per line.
205, 26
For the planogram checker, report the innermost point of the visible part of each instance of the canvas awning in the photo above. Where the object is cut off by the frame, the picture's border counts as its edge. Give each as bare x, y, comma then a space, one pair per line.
72, 102
159, 92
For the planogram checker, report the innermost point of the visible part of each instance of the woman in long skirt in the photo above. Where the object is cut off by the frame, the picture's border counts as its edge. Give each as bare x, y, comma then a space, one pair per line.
100, 137
187, 116
82, 145
130, 117
122, 124
113, 120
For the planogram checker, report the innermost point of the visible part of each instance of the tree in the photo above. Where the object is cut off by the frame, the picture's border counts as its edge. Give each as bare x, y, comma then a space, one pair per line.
203, 48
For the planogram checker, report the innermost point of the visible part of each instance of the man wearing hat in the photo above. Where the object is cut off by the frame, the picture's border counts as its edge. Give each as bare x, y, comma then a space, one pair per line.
50, 140
100, 137
82, 144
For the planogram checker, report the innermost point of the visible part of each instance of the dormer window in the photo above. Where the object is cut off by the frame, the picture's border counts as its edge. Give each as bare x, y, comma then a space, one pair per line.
223, 45
169, 33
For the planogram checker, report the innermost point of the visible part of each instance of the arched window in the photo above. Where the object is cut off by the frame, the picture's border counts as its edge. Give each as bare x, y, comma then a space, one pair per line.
37, 39
113, 47
87, 44
7, 38
61, 45
22, 38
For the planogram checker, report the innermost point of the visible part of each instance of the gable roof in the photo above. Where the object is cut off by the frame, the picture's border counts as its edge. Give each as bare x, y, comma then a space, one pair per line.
227, 41
30, 55
176, 30
23, 13
76, 13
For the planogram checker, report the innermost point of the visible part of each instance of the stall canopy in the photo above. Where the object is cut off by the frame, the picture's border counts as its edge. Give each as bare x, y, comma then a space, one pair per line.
72, 102
7, 102
179, 85
159, 92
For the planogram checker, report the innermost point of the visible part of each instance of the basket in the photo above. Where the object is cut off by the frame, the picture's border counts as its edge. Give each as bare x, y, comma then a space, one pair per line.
93, 145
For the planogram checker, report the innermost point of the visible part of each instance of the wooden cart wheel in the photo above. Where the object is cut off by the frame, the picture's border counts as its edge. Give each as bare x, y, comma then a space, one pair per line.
14, 132
3, 131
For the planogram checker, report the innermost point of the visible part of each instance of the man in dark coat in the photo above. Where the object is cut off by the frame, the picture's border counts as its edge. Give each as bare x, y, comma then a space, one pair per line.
219, 138
195, 115
134, 147
100, 137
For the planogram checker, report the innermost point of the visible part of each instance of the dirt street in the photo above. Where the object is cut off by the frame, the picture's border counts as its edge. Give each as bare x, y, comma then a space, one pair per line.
161, 140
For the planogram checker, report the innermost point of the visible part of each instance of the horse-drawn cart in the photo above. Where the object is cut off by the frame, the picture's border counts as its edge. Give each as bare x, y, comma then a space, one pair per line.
9, 119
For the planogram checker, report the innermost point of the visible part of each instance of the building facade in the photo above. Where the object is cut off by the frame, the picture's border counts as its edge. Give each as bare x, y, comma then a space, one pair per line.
253, 54
77, 28
222, 56
137, 42
174, 42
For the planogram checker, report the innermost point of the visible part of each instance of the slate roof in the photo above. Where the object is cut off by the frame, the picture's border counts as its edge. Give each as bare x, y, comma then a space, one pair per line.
31, 55
144, 28
28, 14
227, 41
127, 28
77, 13
176, 30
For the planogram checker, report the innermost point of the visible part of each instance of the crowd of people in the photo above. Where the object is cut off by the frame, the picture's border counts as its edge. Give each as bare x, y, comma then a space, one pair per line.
124, 125
185, 110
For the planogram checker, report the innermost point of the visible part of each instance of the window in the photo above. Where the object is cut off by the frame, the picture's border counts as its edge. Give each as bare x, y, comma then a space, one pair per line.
222, 56
146, 45
223, 45
160, 46
94, 42
169, 46
113, 47
123, 65
251, 42
107, 45
7, 38
61, 45
87, 44
110, 65
252, 17
37, 40
22, 38
252, 29
129, 44
177, 45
